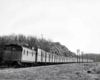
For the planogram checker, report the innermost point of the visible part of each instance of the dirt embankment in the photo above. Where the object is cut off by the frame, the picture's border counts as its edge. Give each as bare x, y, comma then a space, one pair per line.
76, 71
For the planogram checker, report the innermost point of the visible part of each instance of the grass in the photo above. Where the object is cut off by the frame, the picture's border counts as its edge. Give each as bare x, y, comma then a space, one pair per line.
52, 72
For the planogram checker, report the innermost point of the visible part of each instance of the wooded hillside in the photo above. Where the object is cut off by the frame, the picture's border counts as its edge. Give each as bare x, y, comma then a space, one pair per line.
32, 41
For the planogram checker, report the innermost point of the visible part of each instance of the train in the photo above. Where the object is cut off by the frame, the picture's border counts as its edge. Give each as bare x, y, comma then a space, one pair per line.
17, 55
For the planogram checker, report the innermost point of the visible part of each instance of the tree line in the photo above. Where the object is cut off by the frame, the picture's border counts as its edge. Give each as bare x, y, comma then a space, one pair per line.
92, 56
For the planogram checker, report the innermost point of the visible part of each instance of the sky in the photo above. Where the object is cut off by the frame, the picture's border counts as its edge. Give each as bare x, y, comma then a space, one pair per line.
73, 23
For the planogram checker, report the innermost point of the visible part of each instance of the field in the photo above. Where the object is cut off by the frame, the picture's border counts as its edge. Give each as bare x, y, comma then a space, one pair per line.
75, 71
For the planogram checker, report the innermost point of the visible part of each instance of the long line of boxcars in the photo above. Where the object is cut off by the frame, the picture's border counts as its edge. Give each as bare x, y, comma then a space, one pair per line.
14, 54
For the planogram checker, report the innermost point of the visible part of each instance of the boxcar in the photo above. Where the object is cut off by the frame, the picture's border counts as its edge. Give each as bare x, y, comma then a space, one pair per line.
28, 55
39, 58
47, 57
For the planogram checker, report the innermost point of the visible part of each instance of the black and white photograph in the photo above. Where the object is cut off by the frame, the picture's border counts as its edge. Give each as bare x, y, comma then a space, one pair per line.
49, 39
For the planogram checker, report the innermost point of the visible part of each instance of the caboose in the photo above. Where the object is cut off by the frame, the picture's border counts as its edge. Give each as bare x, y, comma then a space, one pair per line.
17, 55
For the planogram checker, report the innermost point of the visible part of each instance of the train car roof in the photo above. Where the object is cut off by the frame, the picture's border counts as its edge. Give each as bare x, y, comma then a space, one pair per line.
16, 45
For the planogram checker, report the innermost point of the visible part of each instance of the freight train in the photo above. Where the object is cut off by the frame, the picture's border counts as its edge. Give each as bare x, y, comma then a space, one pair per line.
17, 55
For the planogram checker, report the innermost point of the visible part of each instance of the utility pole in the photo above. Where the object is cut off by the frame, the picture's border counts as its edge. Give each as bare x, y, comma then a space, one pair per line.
79, 56
42, 36
87, 58
78, 52
82, 56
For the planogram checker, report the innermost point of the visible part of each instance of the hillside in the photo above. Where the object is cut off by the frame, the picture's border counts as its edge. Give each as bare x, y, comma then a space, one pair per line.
61, 50
31, 41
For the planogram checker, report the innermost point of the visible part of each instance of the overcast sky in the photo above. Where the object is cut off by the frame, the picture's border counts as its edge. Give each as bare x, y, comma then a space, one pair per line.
73, 23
